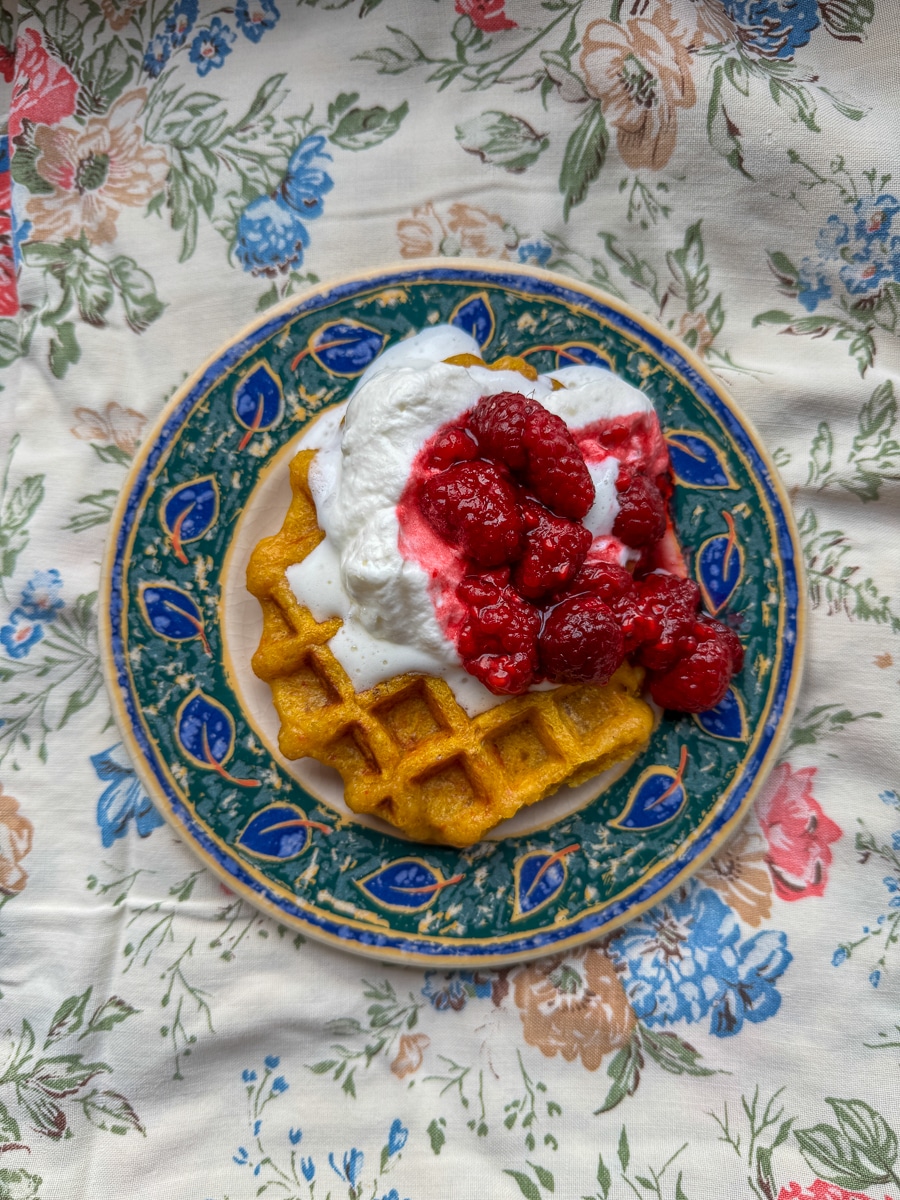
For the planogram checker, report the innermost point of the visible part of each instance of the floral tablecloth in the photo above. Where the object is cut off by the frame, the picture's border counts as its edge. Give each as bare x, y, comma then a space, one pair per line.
730, 167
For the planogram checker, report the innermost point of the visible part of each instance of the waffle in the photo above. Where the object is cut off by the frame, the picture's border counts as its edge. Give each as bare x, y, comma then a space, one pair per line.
406, 751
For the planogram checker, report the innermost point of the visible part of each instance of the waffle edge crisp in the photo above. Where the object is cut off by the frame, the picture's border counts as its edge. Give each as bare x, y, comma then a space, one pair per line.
406, 751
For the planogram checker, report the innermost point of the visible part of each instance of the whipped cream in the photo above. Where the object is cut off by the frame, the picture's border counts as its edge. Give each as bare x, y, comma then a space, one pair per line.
365, 450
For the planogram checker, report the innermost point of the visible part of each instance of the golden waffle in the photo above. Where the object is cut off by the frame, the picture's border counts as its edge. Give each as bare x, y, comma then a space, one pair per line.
406, 751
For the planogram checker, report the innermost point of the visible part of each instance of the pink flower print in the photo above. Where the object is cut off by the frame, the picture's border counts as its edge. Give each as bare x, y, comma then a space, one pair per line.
798, 833
43, 89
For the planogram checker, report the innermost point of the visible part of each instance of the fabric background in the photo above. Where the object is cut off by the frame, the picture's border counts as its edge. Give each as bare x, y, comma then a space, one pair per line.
728, 167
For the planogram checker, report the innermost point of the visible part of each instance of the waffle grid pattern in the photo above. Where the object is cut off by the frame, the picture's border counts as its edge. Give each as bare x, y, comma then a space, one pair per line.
406, 751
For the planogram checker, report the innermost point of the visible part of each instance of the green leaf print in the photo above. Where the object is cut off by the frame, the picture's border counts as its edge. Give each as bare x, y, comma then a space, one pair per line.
502, 140
822, 722
67, 1018
95, 509
526, 1186
361, 128
847, 20
112, 1112
837, 583
832, 1156
874, 457
584, 157
867, 1131
18, 1184
724, 135
49, 1091
138, 292
436, 1134
759, 1131
160, 937
17, 507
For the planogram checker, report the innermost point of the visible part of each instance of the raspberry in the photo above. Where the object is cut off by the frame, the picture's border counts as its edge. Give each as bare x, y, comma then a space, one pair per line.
556, 469
474, 506
609, 581
554, 549
497, 639
503, 674
697, 682
707, 628
498, 423
451, 445
669, 608
641, 519
537, 446
581, 642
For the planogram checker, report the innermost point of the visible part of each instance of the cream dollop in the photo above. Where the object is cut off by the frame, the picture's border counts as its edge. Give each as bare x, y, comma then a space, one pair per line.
366, 448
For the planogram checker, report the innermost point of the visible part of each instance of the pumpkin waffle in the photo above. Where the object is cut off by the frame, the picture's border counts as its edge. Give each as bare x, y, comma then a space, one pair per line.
405, 749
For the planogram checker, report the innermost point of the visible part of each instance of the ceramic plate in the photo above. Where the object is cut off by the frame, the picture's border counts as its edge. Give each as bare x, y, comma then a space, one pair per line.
180, 629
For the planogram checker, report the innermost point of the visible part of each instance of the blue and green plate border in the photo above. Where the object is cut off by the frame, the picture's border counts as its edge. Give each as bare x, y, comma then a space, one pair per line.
253, 825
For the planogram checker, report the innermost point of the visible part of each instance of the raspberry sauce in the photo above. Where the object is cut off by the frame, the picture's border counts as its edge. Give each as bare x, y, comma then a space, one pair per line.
494, 512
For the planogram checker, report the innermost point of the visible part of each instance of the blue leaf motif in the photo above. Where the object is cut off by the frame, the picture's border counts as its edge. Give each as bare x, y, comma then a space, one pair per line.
258, 401
344, 347
697, 461
171, 613
720, 567
573, 354
405, 885
476, 318
278, 832
656, 798
539, 878
727, 720
189, 511
204, 729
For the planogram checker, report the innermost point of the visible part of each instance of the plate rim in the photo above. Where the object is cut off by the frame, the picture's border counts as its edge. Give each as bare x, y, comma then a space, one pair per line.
371, 941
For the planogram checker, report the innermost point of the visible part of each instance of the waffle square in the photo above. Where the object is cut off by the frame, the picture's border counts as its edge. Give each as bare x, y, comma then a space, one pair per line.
405, 749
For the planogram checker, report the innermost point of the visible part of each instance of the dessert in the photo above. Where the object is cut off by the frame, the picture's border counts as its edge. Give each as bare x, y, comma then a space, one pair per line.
476, 575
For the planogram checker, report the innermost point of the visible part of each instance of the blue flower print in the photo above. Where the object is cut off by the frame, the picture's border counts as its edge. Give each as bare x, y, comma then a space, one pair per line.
20, 634
875, 978
397, 1137
890, 797
211, 46
270, 237
683, 961
254, 17
748, 982
248, 1076
124, 800
306, 180
181, 21
40, 596
813, 284
878, 263
295, 1136
308, 1167
279, 1085
21, 226
393, 1194
445, 991
242, 1157
272, 1062
351, 1166
833, 238
672, 956
157, 55
875, 217
774, 28
536, 253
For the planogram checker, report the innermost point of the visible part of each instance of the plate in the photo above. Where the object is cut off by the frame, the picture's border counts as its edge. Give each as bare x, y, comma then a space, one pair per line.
179, 629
